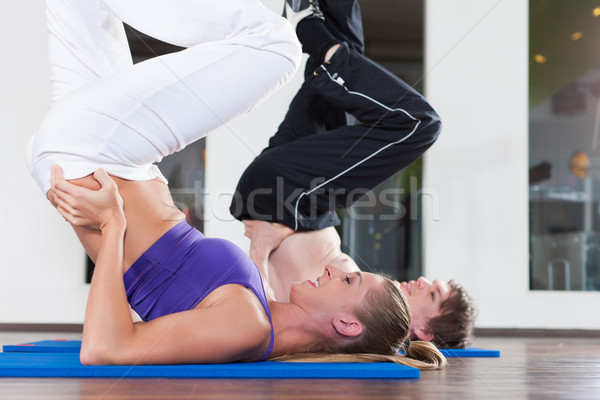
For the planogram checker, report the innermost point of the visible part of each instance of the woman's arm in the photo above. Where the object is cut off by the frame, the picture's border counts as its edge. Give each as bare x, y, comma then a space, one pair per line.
234, 328
107, 317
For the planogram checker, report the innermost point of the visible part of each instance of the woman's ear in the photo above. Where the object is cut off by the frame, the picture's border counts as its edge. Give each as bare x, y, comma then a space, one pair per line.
347, 326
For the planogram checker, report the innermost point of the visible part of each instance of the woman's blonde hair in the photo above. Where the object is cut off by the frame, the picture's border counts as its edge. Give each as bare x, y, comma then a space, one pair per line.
386, 323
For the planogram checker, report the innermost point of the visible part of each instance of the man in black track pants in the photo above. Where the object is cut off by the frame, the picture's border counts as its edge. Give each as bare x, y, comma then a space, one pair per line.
318, 160
351, 126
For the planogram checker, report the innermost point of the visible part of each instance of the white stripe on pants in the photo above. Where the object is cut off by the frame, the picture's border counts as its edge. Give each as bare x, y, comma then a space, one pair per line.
121, 117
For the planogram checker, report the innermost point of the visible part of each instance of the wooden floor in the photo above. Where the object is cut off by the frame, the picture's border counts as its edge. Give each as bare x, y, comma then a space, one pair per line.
544, 368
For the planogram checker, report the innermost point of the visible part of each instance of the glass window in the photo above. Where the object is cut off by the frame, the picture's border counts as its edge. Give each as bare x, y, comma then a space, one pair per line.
564, 134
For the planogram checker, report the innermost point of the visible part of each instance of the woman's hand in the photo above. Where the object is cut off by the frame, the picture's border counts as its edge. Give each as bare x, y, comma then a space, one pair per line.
97, 209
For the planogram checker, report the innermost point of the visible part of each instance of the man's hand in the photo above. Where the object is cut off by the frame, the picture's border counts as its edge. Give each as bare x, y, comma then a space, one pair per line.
266, 235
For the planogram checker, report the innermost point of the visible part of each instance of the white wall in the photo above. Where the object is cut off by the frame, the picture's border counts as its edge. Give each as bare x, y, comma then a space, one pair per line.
477, 78
41, 267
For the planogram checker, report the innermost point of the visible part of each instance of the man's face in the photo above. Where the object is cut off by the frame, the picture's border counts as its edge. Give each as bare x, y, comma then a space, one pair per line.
424, 299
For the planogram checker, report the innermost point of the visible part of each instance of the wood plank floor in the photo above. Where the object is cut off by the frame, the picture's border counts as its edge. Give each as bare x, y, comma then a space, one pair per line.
529, 368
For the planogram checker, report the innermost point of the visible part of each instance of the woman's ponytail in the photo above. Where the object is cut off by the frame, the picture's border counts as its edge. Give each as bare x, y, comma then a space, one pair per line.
424, 355
421, 355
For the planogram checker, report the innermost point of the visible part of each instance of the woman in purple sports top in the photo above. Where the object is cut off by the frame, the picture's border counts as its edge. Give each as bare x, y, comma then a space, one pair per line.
201, 300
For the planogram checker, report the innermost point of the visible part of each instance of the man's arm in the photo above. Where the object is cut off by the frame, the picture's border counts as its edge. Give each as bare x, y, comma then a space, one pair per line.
301, 256
265, 238
285, 257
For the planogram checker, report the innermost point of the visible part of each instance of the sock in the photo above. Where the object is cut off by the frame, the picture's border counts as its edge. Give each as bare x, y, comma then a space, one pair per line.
315, 38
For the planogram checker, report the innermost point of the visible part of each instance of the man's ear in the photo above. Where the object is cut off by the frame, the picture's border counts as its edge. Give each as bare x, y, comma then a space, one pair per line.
347, 326
423, 333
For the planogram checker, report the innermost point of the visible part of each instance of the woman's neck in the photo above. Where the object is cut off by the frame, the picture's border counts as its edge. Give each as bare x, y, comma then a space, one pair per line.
295, 331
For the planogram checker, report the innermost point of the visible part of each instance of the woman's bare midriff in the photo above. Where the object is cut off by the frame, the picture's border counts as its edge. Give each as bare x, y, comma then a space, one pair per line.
149, 210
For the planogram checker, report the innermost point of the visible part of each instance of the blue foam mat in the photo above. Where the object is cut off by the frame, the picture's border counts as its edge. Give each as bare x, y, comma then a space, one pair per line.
45, 346
61, 365
470, 352
73, 346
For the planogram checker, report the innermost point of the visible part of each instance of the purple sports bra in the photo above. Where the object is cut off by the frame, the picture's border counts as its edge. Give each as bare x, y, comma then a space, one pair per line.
182, 268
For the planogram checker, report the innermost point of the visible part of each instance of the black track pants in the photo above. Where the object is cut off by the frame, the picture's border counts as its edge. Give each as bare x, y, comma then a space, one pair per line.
317, 162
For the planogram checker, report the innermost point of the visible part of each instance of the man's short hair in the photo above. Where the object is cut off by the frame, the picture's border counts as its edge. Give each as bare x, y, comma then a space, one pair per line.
453, 328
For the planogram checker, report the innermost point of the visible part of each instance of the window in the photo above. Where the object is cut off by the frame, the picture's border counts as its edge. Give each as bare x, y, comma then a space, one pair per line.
564, 144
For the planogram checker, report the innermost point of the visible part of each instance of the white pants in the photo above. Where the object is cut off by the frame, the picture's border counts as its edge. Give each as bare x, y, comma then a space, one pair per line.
111, 114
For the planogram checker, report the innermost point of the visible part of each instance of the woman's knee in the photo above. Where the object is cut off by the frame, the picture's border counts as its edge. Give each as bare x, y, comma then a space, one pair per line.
289, 48
276, 36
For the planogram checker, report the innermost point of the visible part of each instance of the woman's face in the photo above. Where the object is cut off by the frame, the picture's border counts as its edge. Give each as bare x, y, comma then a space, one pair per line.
334, 292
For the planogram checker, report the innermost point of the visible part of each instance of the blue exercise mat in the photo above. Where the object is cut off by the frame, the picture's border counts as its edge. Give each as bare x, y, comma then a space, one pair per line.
471, 352
45, 346
73, 346
67, 365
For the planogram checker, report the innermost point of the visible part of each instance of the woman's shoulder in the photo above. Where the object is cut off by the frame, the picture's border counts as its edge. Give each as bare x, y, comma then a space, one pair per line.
239, 301
250, 325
